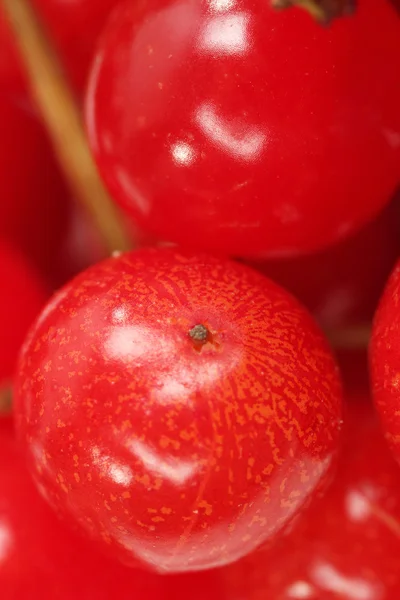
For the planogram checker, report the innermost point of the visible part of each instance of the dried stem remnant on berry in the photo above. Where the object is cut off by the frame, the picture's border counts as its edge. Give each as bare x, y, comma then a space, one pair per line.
323, 11
199, 334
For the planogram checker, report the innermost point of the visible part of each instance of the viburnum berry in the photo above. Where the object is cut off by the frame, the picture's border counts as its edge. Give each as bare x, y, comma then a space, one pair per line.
228, 125
385, 360
346, 545
180, 408
42, 558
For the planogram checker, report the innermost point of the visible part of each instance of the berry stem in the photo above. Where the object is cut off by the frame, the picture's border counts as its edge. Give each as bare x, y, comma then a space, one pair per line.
350, 338
60, 113
5, 400
323, 11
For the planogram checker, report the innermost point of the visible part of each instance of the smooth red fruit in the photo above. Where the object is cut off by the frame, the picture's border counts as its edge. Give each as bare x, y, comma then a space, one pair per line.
347, 546
74, 26
342, 285
22, 297
34, 201
42, 560
385, 360
182, 453
227, 125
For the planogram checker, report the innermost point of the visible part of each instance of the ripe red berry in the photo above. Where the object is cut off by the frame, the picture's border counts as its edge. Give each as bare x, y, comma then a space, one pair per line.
230, 126
342, 285
73, 25
346, 547
385, 360
181, 408
34, 201
22, 297
41, 559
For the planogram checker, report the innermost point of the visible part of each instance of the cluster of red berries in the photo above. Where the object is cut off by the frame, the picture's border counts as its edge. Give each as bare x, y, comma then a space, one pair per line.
181, 427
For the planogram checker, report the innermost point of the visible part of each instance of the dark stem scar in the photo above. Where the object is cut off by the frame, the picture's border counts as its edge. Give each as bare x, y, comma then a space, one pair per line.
199, 333
323, 11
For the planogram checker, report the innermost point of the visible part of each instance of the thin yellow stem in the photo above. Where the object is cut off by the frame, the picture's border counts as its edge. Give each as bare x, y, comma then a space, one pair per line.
60, 113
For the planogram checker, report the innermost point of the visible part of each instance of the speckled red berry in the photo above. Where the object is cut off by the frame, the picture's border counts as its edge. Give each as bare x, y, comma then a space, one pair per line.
230, 126
42, 560
181, 408
385, 360
346, 547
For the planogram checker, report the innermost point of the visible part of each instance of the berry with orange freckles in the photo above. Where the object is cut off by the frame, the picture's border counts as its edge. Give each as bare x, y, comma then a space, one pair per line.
180, 407
346, 546
42, 559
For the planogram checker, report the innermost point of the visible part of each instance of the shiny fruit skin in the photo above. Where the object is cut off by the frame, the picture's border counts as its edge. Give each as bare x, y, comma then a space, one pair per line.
74, 26
22, 296
228, 126
34, 206
342, 285
385, 361
347, 546
43, 560
180, 454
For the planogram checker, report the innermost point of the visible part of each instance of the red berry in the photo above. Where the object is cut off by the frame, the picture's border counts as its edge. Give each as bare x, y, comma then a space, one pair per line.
33, 207
230, 126
181, 408
22, 297
74, 25
342, 285
347, 546
385, 360
42, 560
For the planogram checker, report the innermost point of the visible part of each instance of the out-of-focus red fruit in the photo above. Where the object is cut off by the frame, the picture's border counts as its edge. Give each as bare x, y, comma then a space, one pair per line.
180, 407
74, 25
22, 295
228, 126
347, 546
385, 361
342, 285
34, 208
42, 560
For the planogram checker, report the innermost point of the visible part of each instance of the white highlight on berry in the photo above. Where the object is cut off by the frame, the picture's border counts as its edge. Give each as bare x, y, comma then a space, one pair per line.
300, 590
354, 588
6, 541
226, 34
183, 154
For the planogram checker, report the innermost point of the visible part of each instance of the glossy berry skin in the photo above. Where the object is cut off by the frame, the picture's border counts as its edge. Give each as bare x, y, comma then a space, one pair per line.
42, 559
342, 285
385, 361
347, 546
227, 125
34, 202
22, 297
74, 27
181, 450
